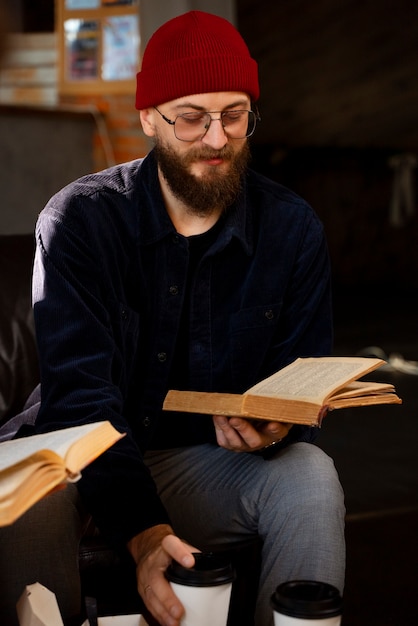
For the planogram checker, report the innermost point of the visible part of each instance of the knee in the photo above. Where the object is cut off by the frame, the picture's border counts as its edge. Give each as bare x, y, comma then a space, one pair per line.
319, 487
309, 480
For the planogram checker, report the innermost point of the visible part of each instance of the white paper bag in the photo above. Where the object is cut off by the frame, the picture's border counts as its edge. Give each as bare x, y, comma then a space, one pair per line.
37, 606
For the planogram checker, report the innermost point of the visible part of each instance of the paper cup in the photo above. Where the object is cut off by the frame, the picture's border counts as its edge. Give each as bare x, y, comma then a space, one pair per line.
204, 590
306, 603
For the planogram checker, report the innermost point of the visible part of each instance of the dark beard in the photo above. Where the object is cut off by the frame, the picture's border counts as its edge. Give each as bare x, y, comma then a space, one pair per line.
203, 195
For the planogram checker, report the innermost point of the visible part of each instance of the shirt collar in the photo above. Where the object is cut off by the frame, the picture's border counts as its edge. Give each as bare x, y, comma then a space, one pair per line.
154, 223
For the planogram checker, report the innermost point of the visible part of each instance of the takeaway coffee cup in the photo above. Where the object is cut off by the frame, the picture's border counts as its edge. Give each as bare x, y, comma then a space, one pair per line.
204, 589
306, 603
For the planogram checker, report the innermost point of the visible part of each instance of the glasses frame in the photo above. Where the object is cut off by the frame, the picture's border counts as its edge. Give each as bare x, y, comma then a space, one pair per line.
213, 119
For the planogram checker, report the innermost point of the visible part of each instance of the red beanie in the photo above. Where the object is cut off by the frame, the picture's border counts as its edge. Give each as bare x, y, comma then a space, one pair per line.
195, 53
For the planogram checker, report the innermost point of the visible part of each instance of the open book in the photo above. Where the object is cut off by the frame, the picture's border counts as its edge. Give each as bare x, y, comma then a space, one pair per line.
301, 393
31, 467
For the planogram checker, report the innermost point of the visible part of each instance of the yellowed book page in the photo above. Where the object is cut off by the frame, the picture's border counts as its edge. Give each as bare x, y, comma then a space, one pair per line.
372, 399
90, 446
314, 379
30, 484
60, 442
361, 388
12, 478
32, 466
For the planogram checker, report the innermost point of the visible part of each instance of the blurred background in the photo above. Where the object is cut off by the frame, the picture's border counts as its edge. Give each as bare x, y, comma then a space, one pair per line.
339, 103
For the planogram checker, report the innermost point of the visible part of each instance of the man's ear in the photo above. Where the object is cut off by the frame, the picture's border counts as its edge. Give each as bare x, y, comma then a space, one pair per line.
147, 121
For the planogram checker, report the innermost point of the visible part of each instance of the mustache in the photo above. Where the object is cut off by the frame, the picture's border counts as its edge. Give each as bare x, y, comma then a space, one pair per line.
206, 153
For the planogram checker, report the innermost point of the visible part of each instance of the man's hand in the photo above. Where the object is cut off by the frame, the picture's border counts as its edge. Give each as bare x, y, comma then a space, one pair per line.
241, 435
153, 550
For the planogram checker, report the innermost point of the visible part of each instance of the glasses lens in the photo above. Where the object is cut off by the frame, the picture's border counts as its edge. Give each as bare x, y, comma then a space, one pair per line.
193, 126
238, 124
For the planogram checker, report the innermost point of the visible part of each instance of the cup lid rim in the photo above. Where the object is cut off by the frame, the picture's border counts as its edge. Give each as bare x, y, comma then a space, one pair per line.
209, 570
325, 602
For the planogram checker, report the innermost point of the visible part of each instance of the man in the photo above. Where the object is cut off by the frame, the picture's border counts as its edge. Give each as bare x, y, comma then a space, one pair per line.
183, 270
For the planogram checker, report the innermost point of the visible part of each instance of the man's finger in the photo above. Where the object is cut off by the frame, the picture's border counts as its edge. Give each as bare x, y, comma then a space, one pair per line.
179, 550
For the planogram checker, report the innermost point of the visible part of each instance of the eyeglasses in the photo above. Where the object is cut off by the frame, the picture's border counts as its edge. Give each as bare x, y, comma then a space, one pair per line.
237, 124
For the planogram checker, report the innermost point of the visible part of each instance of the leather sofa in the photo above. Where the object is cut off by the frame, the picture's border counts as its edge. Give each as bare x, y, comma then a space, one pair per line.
106, 576
19, 372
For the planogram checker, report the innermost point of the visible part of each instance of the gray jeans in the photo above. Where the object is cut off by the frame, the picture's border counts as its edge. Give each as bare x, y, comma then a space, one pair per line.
293, 501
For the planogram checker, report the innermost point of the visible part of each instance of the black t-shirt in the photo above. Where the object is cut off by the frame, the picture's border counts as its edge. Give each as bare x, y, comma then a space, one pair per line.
176, 429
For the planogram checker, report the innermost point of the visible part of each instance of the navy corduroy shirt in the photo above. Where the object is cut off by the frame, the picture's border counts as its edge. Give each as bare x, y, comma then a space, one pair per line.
109, 288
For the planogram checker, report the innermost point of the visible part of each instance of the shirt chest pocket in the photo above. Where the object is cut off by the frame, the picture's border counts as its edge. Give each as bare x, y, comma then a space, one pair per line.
251, 335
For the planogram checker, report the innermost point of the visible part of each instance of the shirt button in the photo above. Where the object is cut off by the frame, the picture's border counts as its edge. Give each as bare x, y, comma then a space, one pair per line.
269, 314
174, 290
124, 314
146, 422
175, 239
162, 356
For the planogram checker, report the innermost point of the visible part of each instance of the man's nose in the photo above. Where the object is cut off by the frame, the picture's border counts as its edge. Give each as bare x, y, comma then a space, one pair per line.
215, 136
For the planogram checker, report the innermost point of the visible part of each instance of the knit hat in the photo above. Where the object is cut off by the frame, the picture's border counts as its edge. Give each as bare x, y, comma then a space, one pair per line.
195, 53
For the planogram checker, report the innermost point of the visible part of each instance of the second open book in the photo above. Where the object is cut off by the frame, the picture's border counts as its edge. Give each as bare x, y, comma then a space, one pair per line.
301, 393
32, 467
